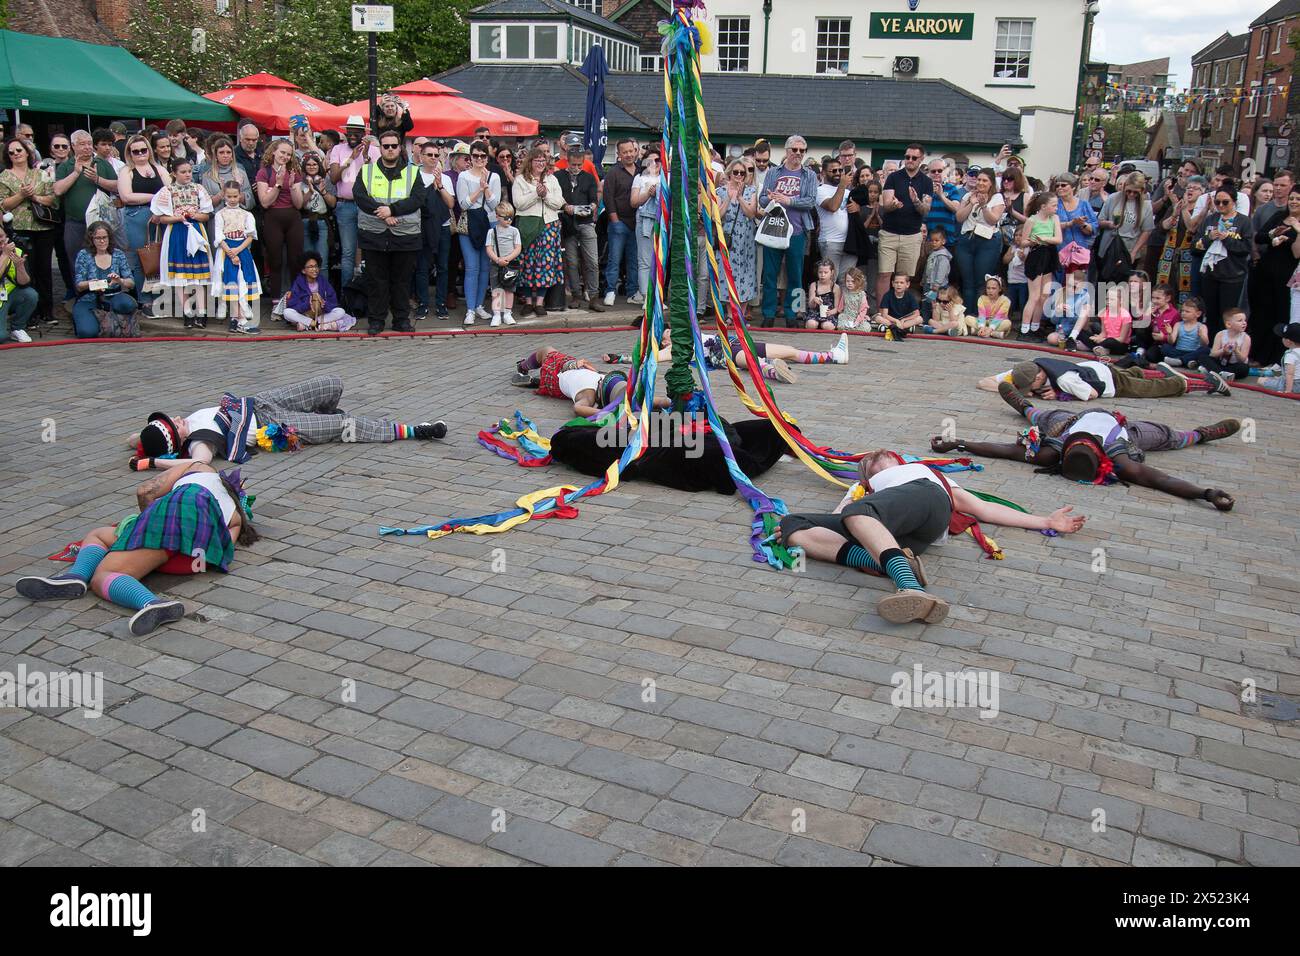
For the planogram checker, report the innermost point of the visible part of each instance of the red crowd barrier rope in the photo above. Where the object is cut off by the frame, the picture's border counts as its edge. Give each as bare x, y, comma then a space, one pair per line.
565, 330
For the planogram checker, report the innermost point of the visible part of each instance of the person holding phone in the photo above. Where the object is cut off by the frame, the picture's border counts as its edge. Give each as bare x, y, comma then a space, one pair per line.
18, 300
103, 281
345, 163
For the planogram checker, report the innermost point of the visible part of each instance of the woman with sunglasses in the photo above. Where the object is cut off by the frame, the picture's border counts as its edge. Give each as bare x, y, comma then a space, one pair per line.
139, 179
537, 194
29, 196
739, 202
1226, 238
478, 192
506, 166
1179, 259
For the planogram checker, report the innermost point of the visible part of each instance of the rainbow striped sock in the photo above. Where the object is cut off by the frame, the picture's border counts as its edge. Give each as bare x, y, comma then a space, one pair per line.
402, 432
1186, 439
814, 358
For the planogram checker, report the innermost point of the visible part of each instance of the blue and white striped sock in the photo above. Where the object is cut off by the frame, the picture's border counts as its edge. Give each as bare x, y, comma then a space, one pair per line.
125, 591
83, 568
899, 568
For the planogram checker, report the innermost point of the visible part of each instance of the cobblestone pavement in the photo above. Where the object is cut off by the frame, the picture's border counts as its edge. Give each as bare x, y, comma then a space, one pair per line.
499, 716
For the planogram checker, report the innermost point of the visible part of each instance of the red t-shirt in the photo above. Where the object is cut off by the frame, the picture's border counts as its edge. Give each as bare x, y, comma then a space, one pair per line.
285, 197
1166, 320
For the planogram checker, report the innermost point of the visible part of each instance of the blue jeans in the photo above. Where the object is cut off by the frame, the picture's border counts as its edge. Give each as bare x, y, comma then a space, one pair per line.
976, 258
83, 313
136, 222
345, 214
477, 272
772, 261
17, 310
434, 254
622, 254
320, 245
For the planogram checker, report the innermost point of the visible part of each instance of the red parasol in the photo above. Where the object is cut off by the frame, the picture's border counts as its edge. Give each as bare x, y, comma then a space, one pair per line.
439, 110
270, 101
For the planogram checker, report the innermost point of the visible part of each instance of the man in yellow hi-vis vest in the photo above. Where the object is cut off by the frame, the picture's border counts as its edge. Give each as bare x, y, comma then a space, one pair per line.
389, 195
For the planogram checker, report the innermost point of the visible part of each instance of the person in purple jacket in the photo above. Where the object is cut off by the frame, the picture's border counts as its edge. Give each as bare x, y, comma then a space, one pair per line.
313, 304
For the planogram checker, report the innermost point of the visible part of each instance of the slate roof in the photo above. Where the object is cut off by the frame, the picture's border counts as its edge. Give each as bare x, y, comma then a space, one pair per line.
551, 10
1278, 11
1224, 48
742, 105
70, 19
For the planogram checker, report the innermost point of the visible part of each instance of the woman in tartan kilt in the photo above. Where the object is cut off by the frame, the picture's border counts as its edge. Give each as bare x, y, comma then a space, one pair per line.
190, 519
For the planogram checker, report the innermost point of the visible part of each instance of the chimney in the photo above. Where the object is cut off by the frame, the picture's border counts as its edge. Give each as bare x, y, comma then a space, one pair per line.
115, 15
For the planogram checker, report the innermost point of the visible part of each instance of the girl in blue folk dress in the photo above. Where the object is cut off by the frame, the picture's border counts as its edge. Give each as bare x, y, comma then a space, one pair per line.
186, 260
235, 283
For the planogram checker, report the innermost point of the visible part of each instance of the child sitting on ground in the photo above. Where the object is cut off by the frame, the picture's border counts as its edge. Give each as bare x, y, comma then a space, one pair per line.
1116, 328
900, 310
313, 304
949, 314
825, 299
1072, 310
856, 313
1287, 381
1230, 354
504, 245
1185, 339
994, 307
1164, 316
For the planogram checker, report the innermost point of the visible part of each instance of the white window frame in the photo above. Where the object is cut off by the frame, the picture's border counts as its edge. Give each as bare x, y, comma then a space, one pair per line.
1252, 99
1007, 53
223, 7
561, 43
1268, 103
1278, 34
651, 63
1222, 110
1263, 44
728, 27
847, 44
591, 6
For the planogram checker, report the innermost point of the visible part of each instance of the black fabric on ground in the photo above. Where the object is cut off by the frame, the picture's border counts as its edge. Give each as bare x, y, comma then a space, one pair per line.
755, 443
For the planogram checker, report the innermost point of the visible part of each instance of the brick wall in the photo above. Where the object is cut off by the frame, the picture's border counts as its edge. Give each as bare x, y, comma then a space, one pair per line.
115, 15
1260, 69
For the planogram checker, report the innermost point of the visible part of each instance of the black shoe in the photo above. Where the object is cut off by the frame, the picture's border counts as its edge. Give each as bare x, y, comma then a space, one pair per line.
189, 322
442, 312
373, 329
233, 325
422, 312
149, 617
50, 589
426, 430
201, 322
403, 327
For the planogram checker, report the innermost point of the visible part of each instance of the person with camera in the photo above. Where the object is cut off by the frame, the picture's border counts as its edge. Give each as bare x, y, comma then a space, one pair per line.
18, 300
103, 281
578, 228
28, 197
318, 199
435, 225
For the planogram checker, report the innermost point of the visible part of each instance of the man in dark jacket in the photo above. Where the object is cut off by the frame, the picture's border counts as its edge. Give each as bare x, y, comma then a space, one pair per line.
389, 195
435, 219
578, 222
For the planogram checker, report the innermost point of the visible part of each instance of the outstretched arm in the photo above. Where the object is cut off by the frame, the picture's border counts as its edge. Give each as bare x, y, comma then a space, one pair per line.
1138, 473
1011, 452
1059, 520
159, 485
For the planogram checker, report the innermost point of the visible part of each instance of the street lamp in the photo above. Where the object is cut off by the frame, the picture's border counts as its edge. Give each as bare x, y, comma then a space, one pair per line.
767, 18
1085, 53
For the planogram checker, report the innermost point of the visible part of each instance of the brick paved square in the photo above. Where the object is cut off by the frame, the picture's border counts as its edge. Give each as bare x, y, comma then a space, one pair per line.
522, 692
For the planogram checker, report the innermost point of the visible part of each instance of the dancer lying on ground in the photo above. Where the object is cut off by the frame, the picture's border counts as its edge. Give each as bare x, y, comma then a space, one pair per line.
190, 518
905, 509
309, 409
670, 460
773, 355
1098, 448
557, 375
1057, 378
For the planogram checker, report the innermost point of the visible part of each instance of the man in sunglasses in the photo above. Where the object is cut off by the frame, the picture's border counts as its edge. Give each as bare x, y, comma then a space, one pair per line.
793, 186
390, 198
905, 202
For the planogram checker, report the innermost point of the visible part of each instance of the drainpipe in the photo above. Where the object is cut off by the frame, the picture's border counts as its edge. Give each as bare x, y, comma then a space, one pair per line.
1085, 53
767, 19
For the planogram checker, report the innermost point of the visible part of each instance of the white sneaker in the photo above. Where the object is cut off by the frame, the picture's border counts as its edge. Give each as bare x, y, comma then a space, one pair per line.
609, 298
19, 335
496, 319
840, 354
637, 299
507, 317
469, 317
482, 313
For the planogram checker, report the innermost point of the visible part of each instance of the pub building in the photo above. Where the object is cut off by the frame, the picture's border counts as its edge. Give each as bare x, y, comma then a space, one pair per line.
963, 78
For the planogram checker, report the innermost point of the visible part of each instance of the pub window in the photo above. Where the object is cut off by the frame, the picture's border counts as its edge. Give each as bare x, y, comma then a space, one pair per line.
1015, 41
489, 42
591, 6
733, 45
833, 44
546, 43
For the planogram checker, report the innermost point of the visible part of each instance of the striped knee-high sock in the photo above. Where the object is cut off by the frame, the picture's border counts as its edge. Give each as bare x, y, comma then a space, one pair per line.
814, 358
855, 556
125, 591
83, 568
1186, 439
899, 568
403, 432
1034, 413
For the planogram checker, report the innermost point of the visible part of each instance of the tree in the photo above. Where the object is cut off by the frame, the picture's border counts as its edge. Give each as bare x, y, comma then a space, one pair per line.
1126, 134
308, 42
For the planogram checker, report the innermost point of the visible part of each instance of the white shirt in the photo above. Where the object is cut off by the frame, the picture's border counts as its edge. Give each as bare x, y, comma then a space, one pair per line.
576, 381
1073, 383
1101, 425
212, 482
995, 203
834, 225
205, 419
443, 183
902, 474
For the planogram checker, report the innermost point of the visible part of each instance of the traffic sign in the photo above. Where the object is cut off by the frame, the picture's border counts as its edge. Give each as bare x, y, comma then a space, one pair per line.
1285, 129
368, 19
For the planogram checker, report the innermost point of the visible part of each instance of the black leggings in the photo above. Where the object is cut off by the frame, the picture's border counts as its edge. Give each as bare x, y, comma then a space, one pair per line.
1212, 364
1112, 346
41, 243
281, 230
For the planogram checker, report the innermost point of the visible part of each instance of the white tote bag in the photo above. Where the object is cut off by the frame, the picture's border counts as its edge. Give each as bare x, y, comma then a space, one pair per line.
775, 228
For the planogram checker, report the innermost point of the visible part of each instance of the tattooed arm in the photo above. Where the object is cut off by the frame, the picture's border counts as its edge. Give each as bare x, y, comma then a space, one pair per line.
153, 489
